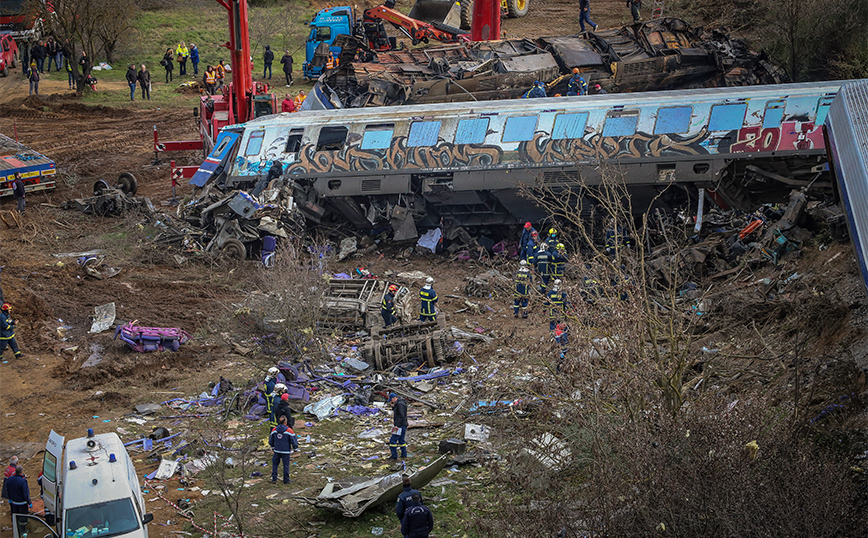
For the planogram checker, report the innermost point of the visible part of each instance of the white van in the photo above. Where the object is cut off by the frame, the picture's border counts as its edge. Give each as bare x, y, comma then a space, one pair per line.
90, 489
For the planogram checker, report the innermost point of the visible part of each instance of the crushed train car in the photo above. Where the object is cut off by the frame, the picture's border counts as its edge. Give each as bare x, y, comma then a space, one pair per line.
658, 54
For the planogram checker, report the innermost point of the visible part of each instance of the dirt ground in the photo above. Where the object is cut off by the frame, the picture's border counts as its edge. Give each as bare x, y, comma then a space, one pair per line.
53, 300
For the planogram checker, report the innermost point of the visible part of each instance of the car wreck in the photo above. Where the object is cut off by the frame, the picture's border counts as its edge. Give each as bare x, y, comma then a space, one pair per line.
658, 54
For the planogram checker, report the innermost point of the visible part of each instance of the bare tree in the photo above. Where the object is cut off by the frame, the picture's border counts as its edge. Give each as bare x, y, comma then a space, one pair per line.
116, 22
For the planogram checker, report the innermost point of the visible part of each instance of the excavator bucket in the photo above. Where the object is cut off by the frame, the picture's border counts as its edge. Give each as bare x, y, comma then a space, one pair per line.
443, 12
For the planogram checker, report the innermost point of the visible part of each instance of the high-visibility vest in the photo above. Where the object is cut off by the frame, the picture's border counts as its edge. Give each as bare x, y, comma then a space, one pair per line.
210, 77
221, 72
330, 63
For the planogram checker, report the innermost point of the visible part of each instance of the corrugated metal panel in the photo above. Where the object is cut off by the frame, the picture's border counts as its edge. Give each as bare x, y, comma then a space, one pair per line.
847, 129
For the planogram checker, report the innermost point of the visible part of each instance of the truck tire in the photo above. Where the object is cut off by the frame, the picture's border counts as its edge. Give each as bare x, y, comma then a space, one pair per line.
517, 8
235, 249
466, 14
5, 71
128, 184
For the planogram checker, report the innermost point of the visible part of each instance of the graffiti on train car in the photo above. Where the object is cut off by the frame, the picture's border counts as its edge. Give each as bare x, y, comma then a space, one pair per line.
790, 136
542, 148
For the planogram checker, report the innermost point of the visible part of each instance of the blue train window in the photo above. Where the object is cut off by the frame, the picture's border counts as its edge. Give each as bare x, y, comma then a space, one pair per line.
621, 124
727, 117
471, 131
773, 114
569, 126
423, 133
673, 120
822, 108
519, 128
378, 136
254, 143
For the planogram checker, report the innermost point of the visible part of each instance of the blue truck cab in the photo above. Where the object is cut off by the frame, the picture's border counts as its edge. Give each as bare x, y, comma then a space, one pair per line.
325, 26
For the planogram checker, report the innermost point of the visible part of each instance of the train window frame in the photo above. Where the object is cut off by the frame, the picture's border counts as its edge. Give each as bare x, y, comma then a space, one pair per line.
564, 128
674, 125
617, 121
327, 145
468, 131
722, 117
377, 136
823, 104
254, 143
774, 120
519, 128
295, 135
425, 135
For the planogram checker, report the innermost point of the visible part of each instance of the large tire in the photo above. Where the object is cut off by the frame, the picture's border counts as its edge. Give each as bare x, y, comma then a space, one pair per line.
128, 184
235, 249
5, 71
466, 14
517, 8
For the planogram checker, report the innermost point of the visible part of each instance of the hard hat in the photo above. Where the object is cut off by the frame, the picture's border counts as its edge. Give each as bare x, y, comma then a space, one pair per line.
523, 263
273, 370
284, 397
557, 281
552, 231
596, 86
576, 70
393, 287
534, 234
557, 95
392, 395
527, 226
561, 246
429, 280
280, 387
6, 306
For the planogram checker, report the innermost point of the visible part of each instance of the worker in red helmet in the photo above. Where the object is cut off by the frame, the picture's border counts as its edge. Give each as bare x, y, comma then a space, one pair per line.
390, 315
526, 240
7, 331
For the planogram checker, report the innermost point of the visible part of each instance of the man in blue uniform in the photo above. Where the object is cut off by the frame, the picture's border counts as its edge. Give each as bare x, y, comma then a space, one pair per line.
543, 266
556, 300
522, 289
526, 240
418, 521
19, 497
282, 442
7, 331
387, 311
404, 501
538, 90
399, 428
428, 308
577, 85
559, 261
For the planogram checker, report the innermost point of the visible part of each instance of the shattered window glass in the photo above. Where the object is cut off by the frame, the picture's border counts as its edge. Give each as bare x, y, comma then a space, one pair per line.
331, 139
621, 125
254, 143
423, 133
293, 141
673, 120
727, 117
774, 114
519, 128
378, 136
569, 126
471, 131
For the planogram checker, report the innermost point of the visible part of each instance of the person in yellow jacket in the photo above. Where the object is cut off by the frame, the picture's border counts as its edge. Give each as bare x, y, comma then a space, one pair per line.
299, 99
183, 53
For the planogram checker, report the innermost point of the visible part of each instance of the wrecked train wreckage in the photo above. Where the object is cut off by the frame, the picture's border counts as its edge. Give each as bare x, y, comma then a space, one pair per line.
659, 54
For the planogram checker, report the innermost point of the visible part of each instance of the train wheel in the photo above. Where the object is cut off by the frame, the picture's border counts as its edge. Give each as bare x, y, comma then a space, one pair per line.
517, 8
128, 184
100, 186
235, 249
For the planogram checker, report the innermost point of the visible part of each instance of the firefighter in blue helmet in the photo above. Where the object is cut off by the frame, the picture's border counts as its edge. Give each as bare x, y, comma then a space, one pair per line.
577, 85
387, 310
556, 300
543, 266
538, 90
428, 308
522, 289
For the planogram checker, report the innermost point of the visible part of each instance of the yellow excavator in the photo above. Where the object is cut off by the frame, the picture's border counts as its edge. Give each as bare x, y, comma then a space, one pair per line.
459, 14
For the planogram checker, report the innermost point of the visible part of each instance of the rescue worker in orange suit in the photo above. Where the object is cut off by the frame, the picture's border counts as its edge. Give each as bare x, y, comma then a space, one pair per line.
7, 331
428, 308
390, 315
522, 290
331, 62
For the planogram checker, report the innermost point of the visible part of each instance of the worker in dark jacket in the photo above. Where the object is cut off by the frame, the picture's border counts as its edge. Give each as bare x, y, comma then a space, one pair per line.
282, 442
279, 388
19, 495
267, 60
577, 85
526, 240
8, 473
559, 261
537, 90
7, 331
404, 499
132, 78
18, 190
556, 301
287, 67
428, 307
543, 266
399, 428
38, 53
144, 78
283, 410
387, 311
418, 520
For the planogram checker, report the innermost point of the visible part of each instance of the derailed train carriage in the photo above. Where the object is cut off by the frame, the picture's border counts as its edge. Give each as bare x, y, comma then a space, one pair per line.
462, 164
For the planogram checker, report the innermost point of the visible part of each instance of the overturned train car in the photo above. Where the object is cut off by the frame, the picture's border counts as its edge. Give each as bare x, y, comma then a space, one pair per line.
463, 164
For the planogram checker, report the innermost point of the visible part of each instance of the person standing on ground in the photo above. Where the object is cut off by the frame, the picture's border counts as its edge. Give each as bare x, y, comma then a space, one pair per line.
287, 67
585, 14
19, 494
38, 53
284, 410
7, 331
70, 77
526, 240
168, 62
132, 78
194, 58
299, 99
282, 441
144, 78
58, 55
10, 470
399, 428
267, 59
49, 54
418, 520
404, 499
279, 389
210, 80
634, 6
221, 74
577, 85
84, 63
522, 289
33, 78
288, 104
543, 266
556, 300
387, 311
24, 56
18, 190
183, 53
428, 307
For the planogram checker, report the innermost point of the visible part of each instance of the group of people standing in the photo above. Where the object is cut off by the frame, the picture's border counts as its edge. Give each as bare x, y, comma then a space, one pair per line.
181, 54
268, 60
36, 60
142, 78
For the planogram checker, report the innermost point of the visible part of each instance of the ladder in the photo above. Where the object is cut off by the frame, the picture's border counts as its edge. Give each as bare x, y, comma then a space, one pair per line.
657, 12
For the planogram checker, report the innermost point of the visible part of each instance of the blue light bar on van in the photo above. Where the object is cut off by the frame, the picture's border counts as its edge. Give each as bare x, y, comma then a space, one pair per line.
71, 465
112, 458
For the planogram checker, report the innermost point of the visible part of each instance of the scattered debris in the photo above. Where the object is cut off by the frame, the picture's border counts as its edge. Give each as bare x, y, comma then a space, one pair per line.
143, 339
104, 316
